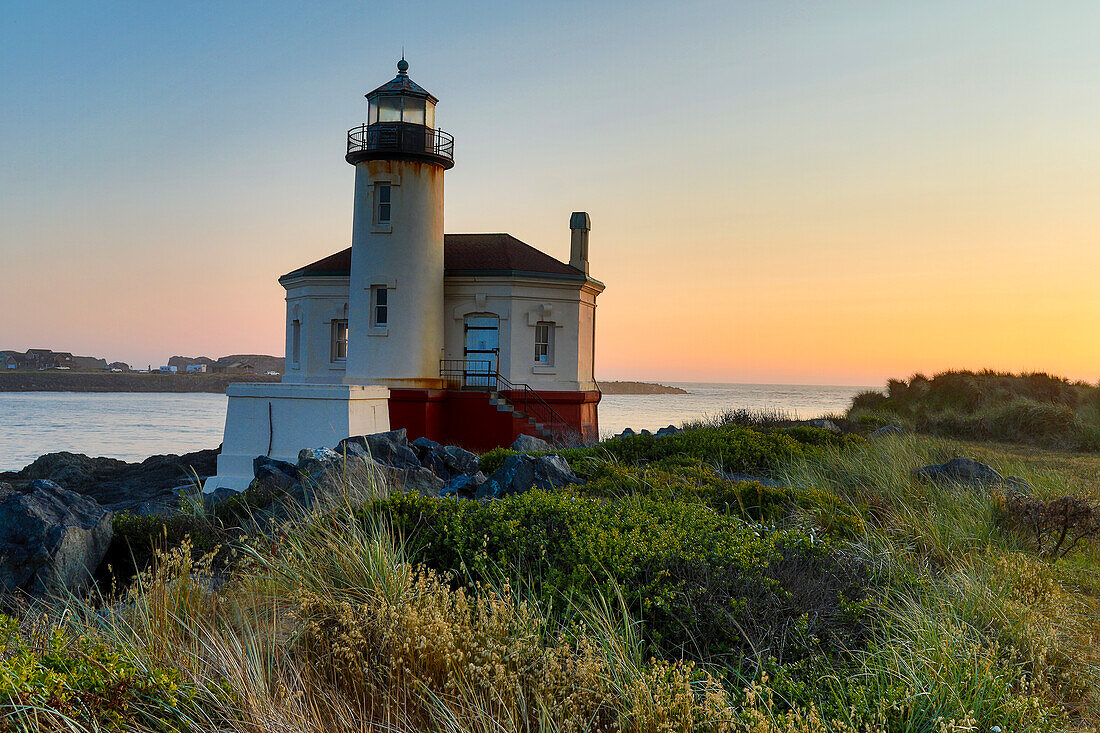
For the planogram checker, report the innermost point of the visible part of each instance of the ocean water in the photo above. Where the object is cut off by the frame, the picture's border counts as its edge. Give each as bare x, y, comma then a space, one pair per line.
133, 427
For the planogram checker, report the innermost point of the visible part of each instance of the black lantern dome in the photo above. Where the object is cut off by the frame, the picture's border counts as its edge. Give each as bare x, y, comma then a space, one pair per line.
400, 124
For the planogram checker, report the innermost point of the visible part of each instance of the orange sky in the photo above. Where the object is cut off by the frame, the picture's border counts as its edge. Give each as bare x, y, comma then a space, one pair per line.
779, 192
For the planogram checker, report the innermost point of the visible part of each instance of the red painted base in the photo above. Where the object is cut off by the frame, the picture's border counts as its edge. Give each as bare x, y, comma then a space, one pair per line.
455, 417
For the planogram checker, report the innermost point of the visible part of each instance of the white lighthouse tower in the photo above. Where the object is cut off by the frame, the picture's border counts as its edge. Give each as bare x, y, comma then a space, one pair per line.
395, 318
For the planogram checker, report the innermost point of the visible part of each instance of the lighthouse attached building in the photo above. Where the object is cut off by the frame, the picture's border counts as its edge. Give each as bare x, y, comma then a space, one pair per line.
466, 339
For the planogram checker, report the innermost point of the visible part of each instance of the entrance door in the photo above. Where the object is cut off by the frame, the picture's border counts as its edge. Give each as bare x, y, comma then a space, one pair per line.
482, 350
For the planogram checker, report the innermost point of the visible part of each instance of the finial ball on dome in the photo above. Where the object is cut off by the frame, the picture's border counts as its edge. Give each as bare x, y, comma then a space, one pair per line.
402, 65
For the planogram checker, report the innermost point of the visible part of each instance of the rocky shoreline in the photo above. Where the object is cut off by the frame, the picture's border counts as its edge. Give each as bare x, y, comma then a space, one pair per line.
620, 388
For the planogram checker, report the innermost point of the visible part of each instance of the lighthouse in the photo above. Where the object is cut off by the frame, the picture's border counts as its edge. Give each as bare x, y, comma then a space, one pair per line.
395, 319
465, 339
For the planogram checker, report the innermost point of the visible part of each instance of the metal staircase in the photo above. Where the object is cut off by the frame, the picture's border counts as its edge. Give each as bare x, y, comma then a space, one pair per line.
519, 400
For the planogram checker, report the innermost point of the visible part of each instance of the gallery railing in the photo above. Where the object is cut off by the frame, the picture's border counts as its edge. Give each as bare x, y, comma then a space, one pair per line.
401, 137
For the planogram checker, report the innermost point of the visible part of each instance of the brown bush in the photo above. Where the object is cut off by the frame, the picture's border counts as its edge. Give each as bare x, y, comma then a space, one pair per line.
1055, 527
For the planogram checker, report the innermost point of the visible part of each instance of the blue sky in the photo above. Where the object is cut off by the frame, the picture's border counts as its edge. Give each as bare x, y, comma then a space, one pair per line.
769, 183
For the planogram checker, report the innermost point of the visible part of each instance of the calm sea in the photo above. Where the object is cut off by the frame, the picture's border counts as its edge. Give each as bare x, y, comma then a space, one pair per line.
135, 426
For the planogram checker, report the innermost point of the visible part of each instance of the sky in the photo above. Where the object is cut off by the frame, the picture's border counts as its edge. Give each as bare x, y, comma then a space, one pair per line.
780, 192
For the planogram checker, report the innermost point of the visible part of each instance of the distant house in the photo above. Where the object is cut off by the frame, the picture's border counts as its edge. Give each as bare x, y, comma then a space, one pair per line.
168, 369
9, 360
234, 367
196, 368
47, 359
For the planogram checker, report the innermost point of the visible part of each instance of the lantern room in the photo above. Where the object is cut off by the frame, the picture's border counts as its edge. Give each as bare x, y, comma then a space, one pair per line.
401, 100
401, 120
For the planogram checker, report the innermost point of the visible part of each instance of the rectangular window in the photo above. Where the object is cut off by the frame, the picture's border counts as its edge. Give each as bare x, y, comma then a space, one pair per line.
382, 195
544, 334
339, 340
380, 306
295, 341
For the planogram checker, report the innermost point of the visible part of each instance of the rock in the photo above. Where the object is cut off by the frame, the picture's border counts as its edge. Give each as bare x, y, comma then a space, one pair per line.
886, 431
432, 456
530, 444
464, 485
391, 448
823, 424
149, 487
626, 433
412, 478
218, 496
51, 539
459, 460
750, 477
970, 472
668, 430
523, 472
314, 463
646, 432
274, 474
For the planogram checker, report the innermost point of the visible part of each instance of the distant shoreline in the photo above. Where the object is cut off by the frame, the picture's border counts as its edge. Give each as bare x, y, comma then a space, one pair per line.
619, 388
55, 381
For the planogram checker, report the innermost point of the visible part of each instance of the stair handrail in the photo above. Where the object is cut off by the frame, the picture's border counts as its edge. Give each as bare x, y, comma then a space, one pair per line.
529, 395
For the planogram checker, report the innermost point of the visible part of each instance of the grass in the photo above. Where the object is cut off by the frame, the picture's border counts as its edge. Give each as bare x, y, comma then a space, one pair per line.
611, 606
1030, 408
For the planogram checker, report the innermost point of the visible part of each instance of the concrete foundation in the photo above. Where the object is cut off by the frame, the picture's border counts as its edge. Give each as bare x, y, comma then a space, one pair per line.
278, 420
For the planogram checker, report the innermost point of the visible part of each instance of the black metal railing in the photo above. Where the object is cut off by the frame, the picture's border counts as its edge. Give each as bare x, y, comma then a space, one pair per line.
476, 374
401, 137
468, 374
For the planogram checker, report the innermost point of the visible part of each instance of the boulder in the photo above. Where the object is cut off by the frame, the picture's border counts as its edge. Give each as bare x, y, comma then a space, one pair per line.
646, 433
824, 424
314, 463
522, 473
411, 478
149, 487
530, 444
887, 431
432, 456
668, 430
273, 473
626, 433
969, 472
391, 448
51, 539
459, 460
464, 485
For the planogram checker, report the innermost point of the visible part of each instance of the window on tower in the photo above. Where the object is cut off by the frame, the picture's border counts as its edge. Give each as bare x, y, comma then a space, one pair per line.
380, 306
340, 340
296, 341
383, 194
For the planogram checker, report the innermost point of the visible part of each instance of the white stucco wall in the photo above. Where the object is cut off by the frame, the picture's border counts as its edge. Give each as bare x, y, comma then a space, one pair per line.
314, 302
521, 303
406, 256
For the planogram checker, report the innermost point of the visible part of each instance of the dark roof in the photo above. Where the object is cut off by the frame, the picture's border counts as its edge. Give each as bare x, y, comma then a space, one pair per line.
468, 254
403, 85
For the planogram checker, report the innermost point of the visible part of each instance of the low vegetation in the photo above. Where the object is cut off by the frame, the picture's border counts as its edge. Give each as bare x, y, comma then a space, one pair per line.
1037, 409
666, 593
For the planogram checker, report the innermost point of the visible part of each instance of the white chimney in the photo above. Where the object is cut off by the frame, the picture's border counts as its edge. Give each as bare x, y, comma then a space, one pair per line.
580, 225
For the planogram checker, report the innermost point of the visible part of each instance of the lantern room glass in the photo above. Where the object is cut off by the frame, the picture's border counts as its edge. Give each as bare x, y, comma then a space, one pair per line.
411, 110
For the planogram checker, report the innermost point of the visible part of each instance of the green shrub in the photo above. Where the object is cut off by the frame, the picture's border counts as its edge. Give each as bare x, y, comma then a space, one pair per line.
494, 459
138, 538
76, 678
702, 583
678, 479
731, 447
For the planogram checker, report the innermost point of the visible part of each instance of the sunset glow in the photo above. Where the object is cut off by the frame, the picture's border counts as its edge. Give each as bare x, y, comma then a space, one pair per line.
806, 193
